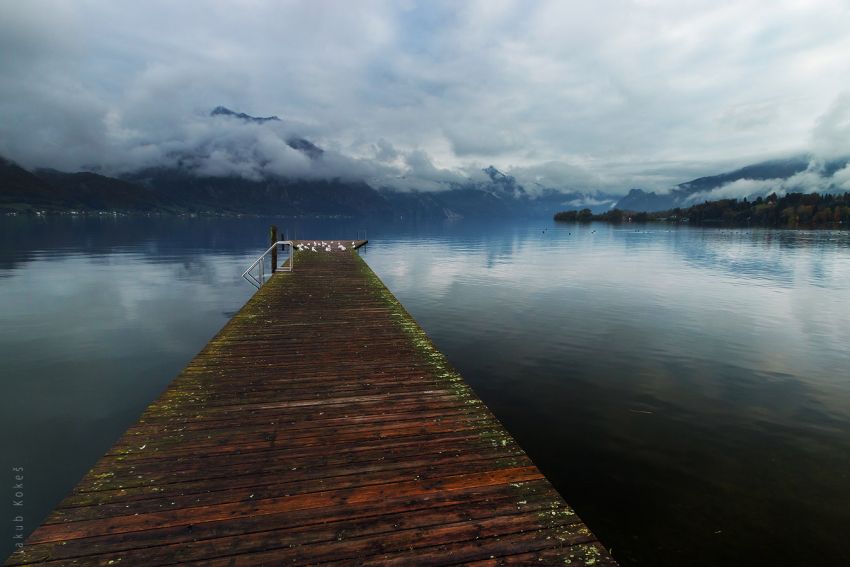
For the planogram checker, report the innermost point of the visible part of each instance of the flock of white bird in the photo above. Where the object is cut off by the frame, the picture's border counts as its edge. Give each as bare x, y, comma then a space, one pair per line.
320, 245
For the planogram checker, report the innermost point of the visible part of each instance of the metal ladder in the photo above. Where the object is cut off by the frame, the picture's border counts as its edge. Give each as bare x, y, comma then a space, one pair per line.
256, 272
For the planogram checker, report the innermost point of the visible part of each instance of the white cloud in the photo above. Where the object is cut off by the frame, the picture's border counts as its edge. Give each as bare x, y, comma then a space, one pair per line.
841, 178
831, 135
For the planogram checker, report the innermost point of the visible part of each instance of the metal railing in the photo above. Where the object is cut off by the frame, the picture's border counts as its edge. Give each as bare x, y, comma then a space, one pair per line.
256, 272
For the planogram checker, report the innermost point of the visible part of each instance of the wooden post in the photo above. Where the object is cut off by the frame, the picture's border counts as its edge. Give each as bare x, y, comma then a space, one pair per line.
273, 236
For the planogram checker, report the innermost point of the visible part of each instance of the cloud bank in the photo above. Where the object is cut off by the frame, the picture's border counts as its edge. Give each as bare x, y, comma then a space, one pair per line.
418, 95
817, 178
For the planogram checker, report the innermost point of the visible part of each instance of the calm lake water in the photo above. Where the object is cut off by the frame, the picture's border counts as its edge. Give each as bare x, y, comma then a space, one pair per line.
687, 390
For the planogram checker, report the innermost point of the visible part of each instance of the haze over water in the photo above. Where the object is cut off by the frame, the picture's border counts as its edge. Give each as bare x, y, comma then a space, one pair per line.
686, 390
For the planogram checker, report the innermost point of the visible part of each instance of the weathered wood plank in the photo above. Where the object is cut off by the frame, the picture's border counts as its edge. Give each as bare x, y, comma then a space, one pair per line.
145, 539
320, 425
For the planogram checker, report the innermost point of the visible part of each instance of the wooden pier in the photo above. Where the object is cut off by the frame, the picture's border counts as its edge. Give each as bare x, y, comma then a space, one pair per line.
320, 425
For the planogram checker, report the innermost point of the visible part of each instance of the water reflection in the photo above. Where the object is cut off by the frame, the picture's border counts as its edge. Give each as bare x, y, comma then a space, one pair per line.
685, 389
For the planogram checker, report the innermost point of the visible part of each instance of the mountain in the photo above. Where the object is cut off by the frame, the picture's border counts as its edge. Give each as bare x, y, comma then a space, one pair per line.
177, 190
773, 169
301, 144
640, 200
293, 197
224, 111
55, 191
682, 195
272, 196
21, 190
454, 204
181, 188
90, 191
305, 146
500, 196
503, 184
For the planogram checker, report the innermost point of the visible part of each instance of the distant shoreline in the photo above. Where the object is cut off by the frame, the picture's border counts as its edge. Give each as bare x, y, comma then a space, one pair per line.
794, 210
34, 213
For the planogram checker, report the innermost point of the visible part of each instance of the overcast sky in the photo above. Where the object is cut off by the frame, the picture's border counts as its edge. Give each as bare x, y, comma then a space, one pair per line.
587, 95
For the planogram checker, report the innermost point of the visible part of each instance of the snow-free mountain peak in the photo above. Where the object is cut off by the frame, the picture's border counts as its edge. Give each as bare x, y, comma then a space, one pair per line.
224, 111
303, 145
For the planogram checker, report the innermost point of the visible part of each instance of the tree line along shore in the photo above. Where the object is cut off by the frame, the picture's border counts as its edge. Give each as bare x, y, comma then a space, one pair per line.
794, 210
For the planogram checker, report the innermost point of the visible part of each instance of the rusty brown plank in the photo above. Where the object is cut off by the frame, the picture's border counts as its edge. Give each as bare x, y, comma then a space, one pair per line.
319, 425
363, 513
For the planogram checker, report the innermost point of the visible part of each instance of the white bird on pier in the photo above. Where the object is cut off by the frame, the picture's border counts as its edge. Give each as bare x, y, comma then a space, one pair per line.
313, 248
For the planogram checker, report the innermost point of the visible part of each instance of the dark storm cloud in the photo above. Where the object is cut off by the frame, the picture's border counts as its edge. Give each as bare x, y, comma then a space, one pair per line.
417, 95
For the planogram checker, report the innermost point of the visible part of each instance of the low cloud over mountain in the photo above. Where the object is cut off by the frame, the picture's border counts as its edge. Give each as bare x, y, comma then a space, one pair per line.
801, 174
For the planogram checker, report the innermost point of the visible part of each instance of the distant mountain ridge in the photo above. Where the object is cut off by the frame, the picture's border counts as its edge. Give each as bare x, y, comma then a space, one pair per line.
224, 111
303, 145
175, 190
178, 190
185, 188
684, 194
55, 191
